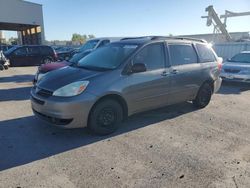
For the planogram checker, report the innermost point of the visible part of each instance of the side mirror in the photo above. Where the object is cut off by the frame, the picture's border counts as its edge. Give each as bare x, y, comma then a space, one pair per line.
138, 67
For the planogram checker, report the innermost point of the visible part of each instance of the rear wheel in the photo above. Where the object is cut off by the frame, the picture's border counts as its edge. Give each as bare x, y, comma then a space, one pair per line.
47, 60
204, 96
105, 117
67, 58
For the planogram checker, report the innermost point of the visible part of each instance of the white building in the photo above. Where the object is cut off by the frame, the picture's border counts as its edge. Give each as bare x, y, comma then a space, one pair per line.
24, 17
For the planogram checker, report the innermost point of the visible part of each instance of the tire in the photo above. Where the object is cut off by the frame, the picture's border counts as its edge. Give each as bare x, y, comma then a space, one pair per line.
1, 67
67, 58
46, 60
204, 96
6, 67
105, 117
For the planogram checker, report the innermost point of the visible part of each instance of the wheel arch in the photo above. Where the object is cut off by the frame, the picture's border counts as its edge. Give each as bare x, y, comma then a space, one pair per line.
116, 97
210, 82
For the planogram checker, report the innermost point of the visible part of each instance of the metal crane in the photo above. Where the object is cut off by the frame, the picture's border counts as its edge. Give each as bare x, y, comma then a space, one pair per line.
214, 19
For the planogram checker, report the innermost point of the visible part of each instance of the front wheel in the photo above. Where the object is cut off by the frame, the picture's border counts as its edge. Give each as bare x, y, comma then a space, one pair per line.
1, 67
105, 117
204, 96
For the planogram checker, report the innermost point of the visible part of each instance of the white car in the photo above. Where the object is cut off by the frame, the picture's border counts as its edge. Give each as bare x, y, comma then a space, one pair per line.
237, 68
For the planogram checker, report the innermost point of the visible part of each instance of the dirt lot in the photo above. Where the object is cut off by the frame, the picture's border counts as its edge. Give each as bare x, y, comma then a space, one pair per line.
177, 146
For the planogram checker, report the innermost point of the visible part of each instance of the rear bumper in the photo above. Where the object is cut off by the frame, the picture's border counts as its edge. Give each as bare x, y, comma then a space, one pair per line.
217, 84
235, 77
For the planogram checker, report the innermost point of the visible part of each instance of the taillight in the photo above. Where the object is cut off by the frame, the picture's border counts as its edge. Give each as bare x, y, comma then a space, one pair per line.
219, 66
220, 60
55, 55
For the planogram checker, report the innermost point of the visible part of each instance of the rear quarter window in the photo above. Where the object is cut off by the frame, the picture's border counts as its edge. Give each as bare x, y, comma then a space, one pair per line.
45, 50
205, 53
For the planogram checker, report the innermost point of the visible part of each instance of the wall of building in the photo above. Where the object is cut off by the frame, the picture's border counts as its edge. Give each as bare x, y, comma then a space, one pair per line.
219, 38
22, 12
228, 50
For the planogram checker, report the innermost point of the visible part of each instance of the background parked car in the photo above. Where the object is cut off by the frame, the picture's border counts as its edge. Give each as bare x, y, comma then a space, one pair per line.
4, 62
30, 55
237, 68
95, 43
66, 53
45, 68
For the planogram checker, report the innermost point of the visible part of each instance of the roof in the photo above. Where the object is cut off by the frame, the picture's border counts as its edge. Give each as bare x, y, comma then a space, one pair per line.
147, 39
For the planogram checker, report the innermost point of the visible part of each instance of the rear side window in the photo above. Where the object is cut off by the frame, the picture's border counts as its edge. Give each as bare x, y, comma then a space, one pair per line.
182, 54
33, 50
152, 56
205, 53
46, 50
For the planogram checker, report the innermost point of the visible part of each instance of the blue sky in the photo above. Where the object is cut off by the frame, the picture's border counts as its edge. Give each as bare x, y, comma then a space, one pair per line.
135, 17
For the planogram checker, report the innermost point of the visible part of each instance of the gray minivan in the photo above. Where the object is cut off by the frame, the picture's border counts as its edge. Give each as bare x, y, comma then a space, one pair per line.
127, 77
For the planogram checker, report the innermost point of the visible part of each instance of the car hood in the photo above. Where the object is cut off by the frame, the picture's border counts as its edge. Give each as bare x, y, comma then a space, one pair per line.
53, 66
235, 65
64, 76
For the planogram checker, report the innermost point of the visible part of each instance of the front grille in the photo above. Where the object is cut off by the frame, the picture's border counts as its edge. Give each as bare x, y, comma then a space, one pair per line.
38, 101
232, 70
44, 93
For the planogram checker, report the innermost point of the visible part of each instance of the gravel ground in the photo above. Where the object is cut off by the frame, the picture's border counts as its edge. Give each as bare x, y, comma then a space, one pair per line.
176, 146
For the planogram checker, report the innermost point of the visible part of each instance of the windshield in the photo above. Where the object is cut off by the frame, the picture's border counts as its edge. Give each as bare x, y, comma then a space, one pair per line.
77, 57
242, 57
108, 57
89, 45
10, 50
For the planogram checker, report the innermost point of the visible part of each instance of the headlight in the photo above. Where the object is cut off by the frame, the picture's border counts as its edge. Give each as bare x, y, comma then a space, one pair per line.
40, 75
72, 89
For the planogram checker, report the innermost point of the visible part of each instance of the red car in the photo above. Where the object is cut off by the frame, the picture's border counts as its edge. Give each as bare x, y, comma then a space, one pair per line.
45, 68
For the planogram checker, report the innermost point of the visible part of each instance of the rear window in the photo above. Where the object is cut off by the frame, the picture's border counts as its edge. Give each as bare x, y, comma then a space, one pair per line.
205, 53
182, 54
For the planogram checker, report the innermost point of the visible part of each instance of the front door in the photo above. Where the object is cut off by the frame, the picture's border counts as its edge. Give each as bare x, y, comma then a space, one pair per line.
149, 89
19, 57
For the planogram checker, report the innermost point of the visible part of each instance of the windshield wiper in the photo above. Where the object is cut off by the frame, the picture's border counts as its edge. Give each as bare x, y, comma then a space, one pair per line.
95, 68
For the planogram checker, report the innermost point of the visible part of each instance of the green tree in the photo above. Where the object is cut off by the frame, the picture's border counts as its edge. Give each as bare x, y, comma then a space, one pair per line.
78, 38
81, 38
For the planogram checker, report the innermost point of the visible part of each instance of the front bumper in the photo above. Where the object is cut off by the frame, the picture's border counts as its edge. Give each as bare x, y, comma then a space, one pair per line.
235, 77
66, 112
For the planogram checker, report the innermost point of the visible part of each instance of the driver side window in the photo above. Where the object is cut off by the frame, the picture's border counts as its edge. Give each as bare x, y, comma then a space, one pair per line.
152, 56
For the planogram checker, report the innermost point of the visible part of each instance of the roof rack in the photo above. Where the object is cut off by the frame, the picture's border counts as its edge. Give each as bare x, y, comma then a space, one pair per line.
129, 38
179, 38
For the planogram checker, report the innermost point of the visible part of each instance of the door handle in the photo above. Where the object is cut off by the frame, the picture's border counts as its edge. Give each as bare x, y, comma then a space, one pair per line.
164, 73
174, 71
